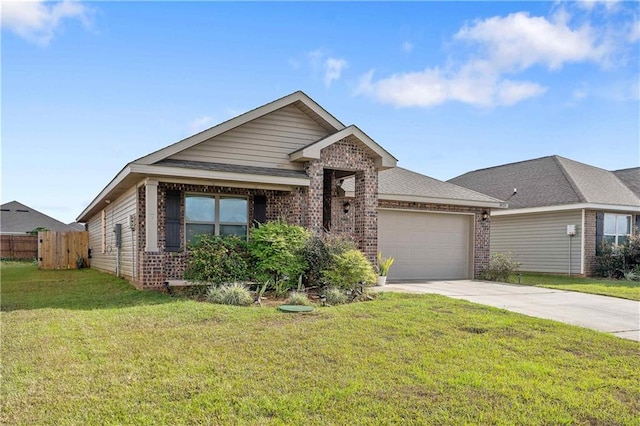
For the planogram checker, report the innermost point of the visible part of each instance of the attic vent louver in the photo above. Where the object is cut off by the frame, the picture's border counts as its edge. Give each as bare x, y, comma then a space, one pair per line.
22, 211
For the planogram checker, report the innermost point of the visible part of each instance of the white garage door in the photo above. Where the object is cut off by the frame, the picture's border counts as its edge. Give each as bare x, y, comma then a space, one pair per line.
426, 245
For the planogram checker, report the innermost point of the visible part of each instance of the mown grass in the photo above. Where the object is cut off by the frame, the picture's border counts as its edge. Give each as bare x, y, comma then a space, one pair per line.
81, 347
606, 287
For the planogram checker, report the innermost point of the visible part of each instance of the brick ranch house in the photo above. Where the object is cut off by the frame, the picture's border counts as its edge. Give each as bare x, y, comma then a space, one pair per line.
287, 159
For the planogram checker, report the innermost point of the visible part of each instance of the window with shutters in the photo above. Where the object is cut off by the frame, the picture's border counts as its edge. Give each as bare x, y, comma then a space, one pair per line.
617, 228
215, 215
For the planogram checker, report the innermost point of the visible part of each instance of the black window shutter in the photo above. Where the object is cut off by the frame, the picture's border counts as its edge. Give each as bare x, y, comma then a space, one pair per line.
172, 231
599, 231
259, 209
637, 230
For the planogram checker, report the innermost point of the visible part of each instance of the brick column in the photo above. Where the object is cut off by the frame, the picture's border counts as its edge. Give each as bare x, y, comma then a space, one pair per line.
315, 171
589, 249
366, 212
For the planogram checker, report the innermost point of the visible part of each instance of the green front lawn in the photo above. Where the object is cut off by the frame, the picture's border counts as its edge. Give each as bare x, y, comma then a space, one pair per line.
81, 347
606, 287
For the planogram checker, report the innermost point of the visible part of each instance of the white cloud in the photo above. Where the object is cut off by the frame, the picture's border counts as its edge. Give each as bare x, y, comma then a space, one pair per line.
502, 47
511, 92
433, 87
333, 70
330, 67
37, 21
590, 5
407, 47
519, 41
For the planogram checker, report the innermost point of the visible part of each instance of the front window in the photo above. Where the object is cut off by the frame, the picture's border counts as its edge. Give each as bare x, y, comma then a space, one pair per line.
617, 228
215, 215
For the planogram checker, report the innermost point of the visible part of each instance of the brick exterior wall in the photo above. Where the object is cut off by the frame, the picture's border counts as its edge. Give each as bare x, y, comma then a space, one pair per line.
302, 206
154, 268
589, 242
481, 247
347, 155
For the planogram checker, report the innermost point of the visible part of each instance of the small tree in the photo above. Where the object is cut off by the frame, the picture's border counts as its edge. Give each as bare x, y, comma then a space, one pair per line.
277, 248
349, 269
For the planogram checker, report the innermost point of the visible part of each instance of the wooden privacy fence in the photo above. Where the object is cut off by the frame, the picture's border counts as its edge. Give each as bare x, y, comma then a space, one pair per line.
18, 247
61, 250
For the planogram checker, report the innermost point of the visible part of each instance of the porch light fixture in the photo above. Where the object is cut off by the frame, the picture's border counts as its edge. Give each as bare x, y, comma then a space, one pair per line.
346, 206
485, 215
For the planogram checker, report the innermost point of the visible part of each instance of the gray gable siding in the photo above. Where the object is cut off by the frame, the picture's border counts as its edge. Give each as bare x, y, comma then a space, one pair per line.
539, 240
264, 142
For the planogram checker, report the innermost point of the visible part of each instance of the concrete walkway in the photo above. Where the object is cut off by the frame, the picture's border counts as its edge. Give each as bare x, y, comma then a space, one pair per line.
620, 317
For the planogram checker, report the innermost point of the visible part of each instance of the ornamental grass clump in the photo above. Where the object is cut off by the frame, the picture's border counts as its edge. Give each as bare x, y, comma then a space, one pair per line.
298, 298
335, 296
384, 264
230, 294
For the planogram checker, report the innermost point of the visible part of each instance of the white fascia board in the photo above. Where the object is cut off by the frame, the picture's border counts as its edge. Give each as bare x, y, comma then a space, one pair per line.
179, 172
315, 107
312, 152
587, 206
126, 171
236, 122
433, 200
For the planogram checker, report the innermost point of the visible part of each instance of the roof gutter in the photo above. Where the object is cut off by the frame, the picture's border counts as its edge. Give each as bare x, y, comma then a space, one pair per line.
434, 200
589, 206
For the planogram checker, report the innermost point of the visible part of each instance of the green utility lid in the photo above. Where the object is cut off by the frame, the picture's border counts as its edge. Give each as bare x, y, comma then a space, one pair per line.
295, 308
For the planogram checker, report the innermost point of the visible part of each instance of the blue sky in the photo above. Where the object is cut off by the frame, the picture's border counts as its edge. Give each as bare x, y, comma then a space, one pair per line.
446, 87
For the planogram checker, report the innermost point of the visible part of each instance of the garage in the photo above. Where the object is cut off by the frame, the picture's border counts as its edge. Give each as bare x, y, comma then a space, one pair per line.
426, 245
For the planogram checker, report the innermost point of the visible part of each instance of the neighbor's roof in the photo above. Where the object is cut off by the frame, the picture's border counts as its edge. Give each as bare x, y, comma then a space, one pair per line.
549, 181
404, 185
631, 178
16, 218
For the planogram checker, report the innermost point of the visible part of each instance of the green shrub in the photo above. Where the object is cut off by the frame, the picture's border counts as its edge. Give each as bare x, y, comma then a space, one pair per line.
298, 298
501, 265
609, 261
335, 296
230, 294
277, 248
621, 261
318, 254
349, 269
218, 260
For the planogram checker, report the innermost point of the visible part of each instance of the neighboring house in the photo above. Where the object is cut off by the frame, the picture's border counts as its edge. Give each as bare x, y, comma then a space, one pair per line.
18, 219
286, 159
77, 226
548, 194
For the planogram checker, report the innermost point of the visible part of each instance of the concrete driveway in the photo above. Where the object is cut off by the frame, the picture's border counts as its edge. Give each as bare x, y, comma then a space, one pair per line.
609, 314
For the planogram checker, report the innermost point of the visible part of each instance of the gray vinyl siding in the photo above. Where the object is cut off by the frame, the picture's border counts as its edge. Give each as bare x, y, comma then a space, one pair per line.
118, 211
539, 240
264, 142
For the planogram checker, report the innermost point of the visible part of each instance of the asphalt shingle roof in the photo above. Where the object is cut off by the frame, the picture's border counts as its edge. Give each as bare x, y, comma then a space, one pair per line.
399, 181
549, 181
631, 178
16, 218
